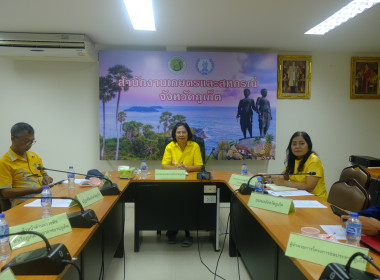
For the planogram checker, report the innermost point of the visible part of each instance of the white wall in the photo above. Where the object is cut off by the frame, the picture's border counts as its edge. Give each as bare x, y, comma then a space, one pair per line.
60, 100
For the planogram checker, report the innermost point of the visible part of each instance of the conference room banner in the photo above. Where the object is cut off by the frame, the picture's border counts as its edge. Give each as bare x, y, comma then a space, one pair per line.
228, 99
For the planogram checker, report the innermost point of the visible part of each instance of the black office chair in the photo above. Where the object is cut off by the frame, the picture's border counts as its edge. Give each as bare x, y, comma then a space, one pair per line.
5, 204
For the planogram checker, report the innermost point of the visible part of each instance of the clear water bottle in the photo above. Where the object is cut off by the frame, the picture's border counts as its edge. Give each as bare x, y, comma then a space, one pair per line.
244, 170
144, 169
5, 249
353, 229
71, 177
46, 202
259, 186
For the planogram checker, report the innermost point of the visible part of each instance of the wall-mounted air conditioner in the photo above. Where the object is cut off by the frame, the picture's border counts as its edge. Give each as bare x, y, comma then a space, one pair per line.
47, 46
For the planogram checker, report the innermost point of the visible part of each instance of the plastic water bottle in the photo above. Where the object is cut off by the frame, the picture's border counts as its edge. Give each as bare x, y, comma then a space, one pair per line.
144, 169
71, 177
353, 229
5, 249
244, 170
46, 201
259, 186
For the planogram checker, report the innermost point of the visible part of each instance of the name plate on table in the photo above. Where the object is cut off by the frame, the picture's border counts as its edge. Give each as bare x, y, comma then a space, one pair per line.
49, 227
272, 203
7, 274
237, 180
88, 197
165, 174
323, 252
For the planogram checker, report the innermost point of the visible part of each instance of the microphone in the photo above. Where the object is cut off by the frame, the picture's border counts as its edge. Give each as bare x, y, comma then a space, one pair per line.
203, 174
50, 260
108, 188
81, 219
247, 188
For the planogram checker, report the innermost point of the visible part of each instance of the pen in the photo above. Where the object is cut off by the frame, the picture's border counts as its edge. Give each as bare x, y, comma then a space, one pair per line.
59, 182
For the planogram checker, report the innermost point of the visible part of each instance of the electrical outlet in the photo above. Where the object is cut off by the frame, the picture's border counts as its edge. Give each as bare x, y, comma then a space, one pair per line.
209, 199
209, 188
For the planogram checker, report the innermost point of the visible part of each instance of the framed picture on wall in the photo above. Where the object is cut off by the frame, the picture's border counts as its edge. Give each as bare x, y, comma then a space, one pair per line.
365, 78
293, 76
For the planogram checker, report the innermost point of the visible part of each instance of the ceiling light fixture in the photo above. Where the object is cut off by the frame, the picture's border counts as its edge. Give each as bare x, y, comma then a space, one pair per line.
349, 11
141, 14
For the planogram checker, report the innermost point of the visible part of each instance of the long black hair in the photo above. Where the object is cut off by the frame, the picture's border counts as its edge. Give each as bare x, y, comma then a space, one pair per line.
189, 133
291, 158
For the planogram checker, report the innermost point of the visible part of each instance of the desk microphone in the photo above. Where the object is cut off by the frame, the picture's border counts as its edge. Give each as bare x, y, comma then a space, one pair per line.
108, 188
247, 188
81, 219
50, 260
203, 174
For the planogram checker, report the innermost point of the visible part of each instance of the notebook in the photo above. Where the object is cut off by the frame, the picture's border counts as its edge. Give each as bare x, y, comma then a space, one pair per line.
373, 242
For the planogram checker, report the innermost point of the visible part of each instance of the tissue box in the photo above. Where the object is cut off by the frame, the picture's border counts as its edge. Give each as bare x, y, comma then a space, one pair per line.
126, 173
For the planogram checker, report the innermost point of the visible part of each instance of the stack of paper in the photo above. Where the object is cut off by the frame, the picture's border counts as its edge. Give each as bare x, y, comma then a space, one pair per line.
276, 188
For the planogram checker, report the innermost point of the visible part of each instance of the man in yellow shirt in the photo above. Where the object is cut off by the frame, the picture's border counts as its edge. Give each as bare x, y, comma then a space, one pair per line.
19, 175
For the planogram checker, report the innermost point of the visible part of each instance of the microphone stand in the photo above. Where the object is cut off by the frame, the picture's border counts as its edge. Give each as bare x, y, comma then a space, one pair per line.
203, 174
43, 261
106, 189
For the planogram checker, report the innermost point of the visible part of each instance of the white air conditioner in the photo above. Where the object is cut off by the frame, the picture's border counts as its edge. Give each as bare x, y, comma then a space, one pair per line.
47, 46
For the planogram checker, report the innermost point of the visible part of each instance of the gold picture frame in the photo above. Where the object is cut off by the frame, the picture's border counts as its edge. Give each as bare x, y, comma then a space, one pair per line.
365, 78
293, 76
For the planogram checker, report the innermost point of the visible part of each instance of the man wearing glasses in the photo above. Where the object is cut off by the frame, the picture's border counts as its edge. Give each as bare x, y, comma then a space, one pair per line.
19, 175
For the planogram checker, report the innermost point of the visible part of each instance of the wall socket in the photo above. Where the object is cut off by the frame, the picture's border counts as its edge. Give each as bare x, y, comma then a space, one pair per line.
209, 199
209, 189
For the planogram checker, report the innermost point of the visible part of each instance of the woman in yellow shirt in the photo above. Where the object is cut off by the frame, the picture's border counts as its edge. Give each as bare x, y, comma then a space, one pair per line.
302, 159
182, 153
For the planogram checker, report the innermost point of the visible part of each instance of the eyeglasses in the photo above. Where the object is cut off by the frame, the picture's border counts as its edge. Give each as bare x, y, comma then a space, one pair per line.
30, 143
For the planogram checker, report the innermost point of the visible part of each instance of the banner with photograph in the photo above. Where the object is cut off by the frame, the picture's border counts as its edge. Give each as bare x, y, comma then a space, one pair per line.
228, 99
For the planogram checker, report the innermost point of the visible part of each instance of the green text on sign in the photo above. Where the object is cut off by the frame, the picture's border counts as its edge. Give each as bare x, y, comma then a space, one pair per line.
272, 203
49, 227
88, 197
237, 180
167, 174
323, 252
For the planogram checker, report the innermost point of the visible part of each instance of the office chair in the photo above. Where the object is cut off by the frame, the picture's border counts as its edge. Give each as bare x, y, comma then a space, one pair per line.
349, 195
358, 173
5, 204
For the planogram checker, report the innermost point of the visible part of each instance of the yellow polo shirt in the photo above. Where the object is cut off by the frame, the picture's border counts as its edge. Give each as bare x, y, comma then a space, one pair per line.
190, 156
313, 164
17, 172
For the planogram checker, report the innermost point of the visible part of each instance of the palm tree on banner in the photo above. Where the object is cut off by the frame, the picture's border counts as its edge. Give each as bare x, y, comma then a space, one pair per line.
106, 93
118, 73
176, 119
121, 118
164, 119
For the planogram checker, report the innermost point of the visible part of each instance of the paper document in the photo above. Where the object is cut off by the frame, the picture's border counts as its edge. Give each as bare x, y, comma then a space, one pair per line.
290, 193
335, 230
77, 181
55, 203
276, 188
308, 204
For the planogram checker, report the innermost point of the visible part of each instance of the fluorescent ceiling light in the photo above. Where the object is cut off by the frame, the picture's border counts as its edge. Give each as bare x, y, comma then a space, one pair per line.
349, 11
141, 14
